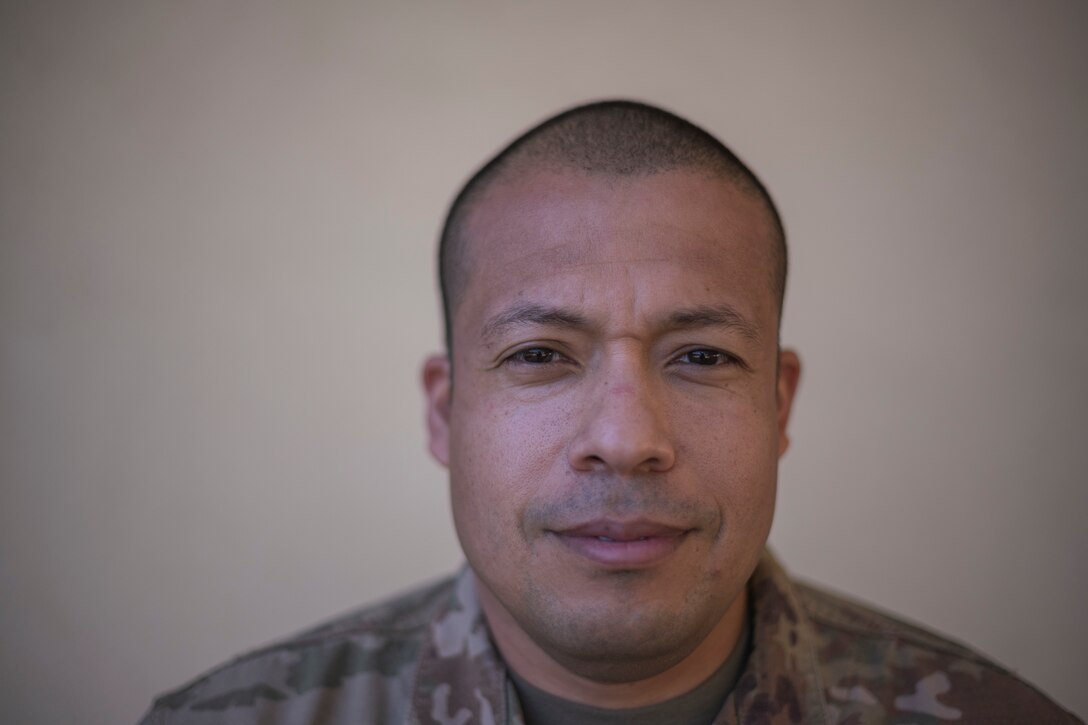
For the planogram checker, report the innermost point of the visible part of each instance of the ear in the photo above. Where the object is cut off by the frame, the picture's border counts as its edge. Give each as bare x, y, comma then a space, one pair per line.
436, 388
789, 374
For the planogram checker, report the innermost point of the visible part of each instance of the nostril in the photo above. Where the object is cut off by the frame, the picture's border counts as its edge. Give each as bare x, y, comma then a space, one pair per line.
651, 464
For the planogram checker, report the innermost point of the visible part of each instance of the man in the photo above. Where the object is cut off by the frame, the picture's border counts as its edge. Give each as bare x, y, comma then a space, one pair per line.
612, 407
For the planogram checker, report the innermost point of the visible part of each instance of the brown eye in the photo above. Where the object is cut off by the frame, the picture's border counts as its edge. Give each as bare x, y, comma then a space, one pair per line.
535, 355
706, 357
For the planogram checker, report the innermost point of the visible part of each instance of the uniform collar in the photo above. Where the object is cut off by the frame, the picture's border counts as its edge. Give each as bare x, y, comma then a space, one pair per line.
781, 681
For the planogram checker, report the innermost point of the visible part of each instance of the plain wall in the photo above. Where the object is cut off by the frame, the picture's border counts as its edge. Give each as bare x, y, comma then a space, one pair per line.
216, 289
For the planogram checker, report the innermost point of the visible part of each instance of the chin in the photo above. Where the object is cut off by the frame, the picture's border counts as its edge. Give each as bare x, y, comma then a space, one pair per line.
618, 641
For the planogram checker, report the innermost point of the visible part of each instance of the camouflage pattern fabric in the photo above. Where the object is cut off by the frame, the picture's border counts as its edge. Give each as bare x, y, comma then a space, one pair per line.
427, 658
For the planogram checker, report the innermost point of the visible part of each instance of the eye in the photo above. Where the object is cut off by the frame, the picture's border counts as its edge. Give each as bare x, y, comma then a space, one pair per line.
537, 364
707, 358
534, 356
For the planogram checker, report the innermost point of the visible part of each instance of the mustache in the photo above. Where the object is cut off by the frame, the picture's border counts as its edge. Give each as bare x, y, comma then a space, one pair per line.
649, 499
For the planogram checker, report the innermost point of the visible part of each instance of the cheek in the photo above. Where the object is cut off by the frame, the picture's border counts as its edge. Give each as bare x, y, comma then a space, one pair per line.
731, 464
502, 455
732, 422
536, 432
754, 451
731, 446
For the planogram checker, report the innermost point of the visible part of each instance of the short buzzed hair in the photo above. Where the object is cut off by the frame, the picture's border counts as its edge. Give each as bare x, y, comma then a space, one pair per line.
613, 138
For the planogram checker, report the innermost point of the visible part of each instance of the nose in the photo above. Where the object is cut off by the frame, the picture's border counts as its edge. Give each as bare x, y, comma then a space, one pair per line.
623, 424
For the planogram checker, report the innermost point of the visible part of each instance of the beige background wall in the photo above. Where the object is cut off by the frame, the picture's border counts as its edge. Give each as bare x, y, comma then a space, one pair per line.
216, 287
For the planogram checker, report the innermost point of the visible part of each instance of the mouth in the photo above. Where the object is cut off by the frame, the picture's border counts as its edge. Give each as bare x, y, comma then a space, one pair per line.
622, 545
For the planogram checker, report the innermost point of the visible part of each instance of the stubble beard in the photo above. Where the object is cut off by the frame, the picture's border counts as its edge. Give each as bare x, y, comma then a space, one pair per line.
623, 638
621, 626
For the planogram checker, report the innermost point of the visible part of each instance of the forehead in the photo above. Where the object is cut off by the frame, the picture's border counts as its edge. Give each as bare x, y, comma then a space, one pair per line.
568, 232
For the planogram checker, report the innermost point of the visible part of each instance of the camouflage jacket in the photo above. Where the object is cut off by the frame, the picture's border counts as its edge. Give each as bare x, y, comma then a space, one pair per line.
427, 658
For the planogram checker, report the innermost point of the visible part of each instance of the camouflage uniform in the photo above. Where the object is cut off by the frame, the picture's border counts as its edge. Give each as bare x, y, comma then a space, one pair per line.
427, 658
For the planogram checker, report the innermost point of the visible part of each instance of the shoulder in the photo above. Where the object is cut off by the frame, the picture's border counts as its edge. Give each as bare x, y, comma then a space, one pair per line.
876, 666
363, 661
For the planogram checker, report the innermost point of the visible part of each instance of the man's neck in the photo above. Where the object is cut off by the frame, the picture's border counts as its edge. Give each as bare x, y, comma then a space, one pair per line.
541, 670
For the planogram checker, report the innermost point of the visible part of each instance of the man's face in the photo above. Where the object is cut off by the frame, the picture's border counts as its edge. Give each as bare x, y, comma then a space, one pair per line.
617, 410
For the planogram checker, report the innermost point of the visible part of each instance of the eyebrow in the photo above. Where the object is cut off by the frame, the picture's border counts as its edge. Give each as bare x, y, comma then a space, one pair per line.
533, 314
723, 315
